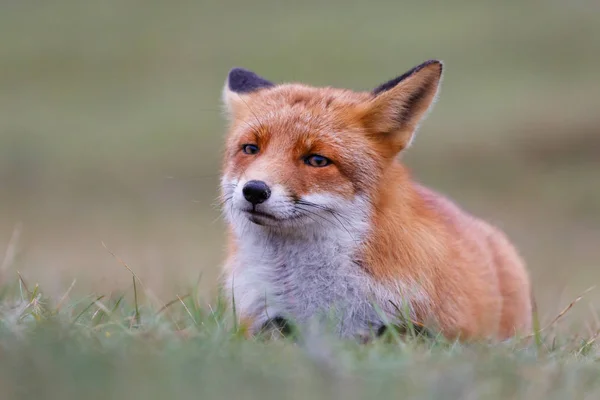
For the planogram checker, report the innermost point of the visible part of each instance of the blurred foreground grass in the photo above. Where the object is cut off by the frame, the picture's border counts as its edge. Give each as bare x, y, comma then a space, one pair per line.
129, 345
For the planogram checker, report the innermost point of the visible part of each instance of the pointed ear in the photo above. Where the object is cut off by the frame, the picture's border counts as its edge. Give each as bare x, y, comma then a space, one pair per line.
241, 82
398, 106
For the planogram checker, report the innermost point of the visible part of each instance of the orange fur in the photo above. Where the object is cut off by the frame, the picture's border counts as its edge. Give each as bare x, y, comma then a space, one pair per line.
475, 282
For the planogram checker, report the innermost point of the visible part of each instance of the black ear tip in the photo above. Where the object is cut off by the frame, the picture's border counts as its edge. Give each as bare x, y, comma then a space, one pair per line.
242, 80
237, 75
237, 72
427, 63
392, 83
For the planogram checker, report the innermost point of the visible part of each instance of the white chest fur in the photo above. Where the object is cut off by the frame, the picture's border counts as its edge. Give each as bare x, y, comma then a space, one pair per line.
303, 277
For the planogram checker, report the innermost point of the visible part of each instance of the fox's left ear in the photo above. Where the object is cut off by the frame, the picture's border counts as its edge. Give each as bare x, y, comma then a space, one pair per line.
241, 82
399, 105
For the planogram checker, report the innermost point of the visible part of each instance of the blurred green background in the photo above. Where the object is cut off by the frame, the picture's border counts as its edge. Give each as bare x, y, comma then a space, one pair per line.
111, 127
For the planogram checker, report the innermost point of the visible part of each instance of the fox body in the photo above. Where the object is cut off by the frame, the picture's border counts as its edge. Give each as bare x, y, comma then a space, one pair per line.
324, 219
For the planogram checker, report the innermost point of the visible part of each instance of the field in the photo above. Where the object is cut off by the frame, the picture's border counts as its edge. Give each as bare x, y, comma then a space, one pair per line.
101, 348
110, 142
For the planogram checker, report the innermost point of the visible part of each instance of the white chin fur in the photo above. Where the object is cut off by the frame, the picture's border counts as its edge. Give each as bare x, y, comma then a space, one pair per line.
318, 211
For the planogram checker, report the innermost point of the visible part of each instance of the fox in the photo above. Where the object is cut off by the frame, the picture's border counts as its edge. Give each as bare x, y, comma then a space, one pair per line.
323, 217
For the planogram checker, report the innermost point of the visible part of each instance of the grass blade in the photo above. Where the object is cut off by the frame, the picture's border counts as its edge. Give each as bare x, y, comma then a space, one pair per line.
86, 309
138, 318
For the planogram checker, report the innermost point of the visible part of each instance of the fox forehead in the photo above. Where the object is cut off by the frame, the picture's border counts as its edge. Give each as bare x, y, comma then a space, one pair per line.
296, 94
301, 108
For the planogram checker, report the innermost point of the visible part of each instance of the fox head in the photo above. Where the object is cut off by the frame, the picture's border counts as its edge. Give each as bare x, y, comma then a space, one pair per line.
298, 155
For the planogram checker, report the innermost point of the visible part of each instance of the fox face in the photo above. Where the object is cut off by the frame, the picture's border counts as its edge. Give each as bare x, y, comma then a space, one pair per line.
299, 156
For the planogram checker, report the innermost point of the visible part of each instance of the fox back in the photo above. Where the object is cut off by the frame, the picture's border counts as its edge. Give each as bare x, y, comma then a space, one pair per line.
326, 222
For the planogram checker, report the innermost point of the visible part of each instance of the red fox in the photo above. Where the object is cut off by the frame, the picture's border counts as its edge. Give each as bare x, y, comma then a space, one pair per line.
323, 218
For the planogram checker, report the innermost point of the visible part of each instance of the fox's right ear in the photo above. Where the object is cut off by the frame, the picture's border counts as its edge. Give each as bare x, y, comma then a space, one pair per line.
241, 82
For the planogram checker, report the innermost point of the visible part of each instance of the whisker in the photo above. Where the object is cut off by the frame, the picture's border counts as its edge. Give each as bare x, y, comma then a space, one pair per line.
330, 211
341, 224
324, 208
310, 217
226, 199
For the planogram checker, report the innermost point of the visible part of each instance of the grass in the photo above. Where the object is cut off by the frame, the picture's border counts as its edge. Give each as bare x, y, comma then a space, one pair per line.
131, 345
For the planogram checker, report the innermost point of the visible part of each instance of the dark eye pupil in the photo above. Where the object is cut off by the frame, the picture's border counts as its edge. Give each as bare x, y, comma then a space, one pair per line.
250, 149
317, 161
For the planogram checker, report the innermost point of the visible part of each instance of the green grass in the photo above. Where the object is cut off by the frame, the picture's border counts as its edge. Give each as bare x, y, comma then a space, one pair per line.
130, 345
111, 130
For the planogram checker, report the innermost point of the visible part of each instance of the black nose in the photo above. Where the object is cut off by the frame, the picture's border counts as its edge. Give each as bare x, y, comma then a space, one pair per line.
256, 192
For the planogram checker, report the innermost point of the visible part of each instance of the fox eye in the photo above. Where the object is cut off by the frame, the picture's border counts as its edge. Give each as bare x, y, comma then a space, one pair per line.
250, 149
316, 160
